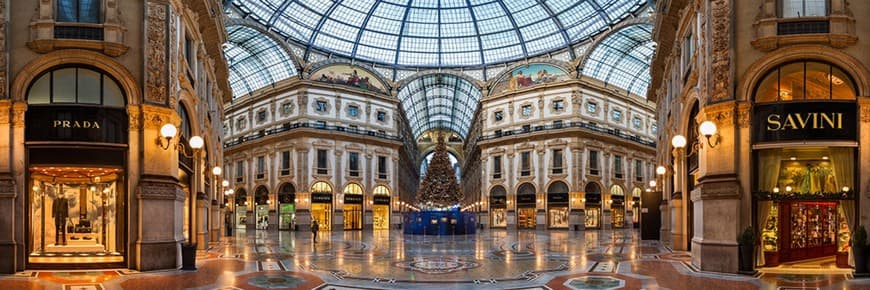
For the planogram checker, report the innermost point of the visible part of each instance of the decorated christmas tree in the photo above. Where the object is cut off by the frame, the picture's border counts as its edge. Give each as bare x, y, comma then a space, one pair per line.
439, 187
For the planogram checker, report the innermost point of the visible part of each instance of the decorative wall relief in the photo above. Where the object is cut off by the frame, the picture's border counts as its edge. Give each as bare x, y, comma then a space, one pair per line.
721, 52
155, 53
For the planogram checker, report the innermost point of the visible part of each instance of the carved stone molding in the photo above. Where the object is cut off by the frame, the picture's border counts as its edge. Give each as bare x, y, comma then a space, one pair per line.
155, 117
720, 50
18, 109
5, 106
156, 81
7, 186
716, 187
160, 188
135, 115
743, 114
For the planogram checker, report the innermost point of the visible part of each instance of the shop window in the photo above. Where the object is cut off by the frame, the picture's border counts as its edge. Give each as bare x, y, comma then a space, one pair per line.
807, 171
803, 8
76, 85
85, 11
525, 163
322, 161
353, 163
801, 81
496, 167
557, 161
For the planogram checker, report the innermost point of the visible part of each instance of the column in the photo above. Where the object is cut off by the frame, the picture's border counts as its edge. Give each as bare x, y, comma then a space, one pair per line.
677, 204
338, 197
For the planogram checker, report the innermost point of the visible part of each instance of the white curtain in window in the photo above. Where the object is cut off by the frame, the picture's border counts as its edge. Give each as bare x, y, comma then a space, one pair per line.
763, 215
804, 8
848, 208
768, 169
844, 166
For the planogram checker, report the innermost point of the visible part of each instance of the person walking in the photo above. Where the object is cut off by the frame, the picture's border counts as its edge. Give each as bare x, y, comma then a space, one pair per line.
314, 228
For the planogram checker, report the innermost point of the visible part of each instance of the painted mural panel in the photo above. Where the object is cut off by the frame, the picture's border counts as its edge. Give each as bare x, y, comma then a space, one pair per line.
529, 76
349, 76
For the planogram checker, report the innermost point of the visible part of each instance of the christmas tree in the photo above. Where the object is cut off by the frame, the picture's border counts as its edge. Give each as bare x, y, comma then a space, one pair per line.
439, 187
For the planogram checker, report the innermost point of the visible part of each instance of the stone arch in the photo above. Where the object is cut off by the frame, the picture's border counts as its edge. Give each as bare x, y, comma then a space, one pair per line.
315, 67
526, 188
45, 62
842, 60
261, 195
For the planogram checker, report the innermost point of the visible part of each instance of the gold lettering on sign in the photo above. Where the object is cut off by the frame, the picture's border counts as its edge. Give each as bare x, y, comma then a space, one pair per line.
801, 121
76, 124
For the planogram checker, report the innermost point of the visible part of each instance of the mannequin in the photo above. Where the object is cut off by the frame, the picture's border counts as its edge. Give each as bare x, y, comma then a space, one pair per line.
60, 212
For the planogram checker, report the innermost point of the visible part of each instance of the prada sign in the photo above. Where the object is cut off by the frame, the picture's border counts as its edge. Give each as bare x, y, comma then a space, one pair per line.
798, 121
76, 123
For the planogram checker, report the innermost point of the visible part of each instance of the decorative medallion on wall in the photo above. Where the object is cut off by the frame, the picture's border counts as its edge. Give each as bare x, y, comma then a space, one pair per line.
241, 123
287, 109
321, 105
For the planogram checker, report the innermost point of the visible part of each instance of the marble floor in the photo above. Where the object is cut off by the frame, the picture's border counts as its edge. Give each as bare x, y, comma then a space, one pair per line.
492, 259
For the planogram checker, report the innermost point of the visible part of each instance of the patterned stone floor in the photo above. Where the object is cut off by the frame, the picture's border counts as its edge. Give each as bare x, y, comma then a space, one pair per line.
492, 259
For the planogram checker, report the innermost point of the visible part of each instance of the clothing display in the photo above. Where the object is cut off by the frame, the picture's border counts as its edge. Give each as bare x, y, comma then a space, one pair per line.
60, 212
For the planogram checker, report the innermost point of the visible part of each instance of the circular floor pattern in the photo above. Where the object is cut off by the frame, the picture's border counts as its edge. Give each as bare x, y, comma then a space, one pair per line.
595, 282
437, 265
276, 281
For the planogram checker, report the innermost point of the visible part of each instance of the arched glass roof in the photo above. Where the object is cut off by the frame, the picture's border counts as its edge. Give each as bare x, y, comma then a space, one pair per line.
623, 59
439, 101
254, 60
443, 33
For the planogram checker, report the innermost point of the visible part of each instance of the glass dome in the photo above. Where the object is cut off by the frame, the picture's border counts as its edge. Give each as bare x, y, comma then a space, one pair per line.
438, 33
255, 60
440, 101
623, 59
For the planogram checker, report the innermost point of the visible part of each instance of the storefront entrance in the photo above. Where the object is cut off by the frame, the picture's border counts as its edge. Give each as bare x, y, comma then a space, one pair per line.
286, 207
617, 207
592, 203
526, 204
321, 205
381, 208
241, 208
498, 207
557, 205
353, 207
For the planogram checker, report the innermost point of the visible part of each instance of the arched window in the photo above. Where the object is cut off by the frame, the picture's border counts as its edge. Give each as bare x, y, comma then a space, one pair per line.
803, 81
287, 193
803, 8
75, 85
321, 187
353, 188
241, 196
87, 11
381, 190
526, 188
616, 190
261, 195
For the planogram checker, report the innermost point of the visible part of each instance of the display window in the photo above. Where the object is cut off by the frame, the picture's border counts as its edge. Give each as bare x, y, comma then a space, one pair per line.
76, 214
241, 215
558, 217
381, 217
262, 215
526, 218
353, 216
499, 217
322, 213
287, 216
593, 215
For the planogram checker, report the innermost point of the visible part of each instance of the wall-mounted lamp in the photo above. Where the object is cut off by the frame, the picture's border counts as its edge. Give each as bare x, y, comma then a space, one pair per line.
225, 183
707, 129
168, 131
652, 183
217, 171
661, 170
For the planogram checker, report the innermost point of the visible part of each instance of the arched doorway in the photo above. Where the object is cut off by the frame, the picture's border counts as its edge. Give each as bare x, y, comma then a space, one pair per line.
76, 133
287, 207
593, 205
381, 208
185, 168
241, 208
353, 206
526, 212
557, 205
321, 204
691, 173
806, 173
617, 206
261, 209
635, 206
498, 207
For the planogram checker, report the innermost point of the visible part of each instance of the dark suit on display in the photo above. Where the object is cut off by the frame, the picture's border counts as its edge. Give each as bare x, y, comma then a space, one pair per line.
60, 211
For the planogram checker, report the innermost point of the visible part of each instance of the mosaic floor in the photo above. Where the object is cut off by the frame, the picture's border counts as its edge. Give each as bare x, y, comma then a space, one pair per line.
492, 259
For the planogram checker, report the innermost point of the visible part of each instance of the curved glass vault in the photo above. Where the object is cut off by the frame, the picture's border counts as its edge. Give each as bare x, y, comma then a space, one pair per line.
438, 33
440, 101
623, 59
255, 60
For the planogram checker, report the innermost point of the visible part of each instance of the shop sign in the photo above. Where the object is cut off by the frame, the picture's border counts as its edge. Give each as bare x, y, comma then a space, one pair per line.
78, 124
557, 198
321, 198
498, 201
804, 121
525, 199
353, 198
593, 198
382, 199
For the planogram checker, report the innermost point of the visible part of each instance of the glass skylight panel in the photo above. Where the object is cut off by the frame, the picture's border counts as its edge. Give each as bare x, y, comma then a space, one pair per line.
255, 60
623, 59
498, 24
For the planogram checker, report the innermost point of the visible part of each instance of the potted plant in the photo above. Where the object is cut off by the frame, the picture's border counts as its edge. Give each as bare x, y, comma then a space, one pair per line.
746, 242
859, 250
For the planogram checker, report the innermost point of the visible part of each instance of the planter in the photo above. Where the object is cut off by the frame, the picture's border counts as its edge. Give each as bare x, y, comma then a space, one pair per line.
860, 253
843, 260
771, 259
188, 256
746, 261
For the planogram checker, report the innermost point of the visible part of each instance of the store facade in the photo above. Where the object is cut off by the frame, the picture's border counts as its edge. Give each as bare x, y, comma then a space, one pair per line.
557, 205
498, 207
804, 145
592, 205
321, 205
381, 208
526, 209
287, 207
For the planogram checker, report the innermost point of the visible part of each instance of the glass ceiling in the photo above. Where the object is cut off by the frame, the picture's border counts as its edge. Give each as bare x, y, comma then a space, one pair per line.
623, 59
439, 101
254, 60
438, 33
